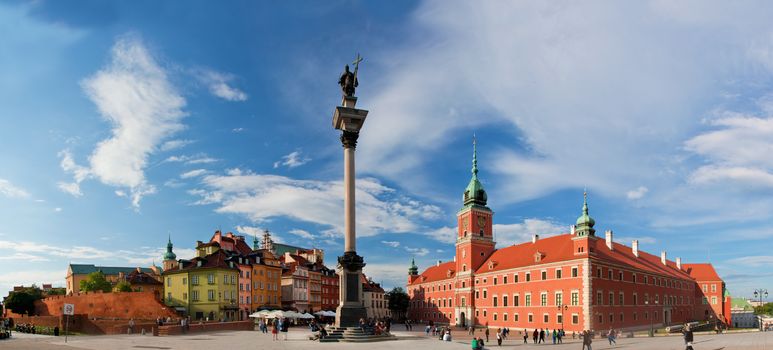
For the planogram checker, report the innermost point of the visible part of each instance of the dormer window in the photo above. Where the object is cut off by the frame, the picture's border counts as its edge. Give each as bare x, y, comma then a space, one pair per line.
538, 256
491, 264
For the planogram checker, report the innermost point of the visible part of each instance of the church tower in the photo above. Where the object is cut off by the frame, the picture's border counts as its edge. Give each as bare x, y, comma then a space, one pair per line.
413, 271
474, 242
170, 258
584, 233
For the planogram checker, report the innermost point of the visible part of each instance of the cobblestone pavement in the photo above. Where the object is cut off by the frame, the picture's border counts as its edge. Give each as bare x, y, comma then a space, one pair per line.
409, 340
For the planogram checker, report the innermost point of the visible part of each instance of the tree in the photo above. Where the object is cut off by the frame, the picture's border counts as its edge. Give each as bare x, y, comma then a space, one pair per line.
123, 286
95, 281
23, 301
398, 302
765, 309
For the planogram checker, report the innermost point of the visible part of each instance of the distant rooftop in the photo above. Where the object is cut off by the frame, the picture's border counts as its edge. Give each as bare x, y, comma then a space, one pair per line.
84, 269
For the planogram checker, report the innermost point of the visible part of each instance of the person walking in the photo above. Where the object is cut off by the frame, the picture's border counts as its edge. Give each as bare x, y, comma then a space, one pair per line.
274, 330
487, 332
554, 336
471, 330
560, 336
499, 337
611, 336
586, 340
535, 335
525, 336
541, 336
285, 327
688, 337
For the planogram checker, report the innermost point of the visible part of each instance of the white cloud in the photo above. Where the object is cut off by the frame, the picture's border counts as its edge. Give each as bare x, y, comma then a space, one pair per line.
262, 197
391, 275
134, 95
193, 173
636, 193
393, 244
302, 233
174, 144
237, 130
754, 261
508, 234
218, 85
200, 158
417, 251
292, 160
9, 190
8, 279
57, 209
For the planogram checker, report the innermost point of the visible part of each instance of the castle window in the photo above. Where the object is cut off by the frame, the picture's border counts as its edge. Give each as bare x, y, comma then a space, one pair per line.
464, 267
528, 276
574, 272
544, 275
504, 279
558, 273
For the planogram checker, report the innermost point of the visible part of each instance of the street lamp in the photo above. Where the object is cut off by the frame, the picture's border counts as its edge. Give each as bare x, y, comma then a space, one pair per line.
562, 308
652, 331
760, 294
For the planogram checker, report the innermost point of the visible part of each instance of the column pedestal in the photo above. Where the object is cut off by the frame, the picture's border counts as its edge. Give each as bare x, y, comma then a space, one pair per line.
350, 310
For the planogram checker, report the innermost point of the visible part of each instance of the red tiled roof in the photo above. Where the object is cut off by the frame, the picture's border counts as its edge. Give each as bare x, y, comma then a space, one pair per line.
437, 273
702, 272
555, 248
561, 248
623, 254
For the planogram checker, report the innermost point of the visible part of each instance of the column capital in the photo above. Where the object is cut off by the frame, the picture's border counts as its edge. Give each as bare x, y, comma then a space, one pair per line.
349, 139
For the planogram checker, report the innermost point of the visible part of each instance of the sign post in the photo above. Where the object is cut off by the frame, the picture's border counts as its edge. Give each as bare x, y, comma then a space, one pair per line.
67, 310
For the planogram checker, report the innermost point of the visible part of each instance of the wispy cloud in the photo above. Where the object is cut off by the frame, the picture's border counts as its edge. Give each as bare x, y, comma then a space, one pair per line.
417, 251
193, 173
219, 84
302, 233
393, 244
7, 189
134, 94
292, 160
200, 158
174, 144
262, 197
636, 193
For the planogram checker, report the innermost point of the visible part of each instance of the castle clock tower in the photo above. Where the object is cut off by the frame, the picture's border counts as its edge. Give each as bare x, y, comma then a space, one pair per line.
474, 243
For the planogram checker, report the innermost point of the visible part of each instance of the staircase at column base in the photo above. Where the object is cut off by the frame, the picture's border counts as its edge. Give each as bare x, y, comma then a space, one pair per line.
353, 335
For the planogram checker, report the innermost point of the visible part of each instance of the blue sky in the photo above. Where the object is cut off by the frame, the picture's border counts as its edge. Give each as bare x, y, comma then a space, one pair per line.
124, 122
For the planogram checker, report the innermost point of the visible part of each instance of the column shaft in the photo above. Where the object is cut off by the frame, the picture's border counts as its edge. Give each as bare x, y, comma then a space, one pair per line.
349, 239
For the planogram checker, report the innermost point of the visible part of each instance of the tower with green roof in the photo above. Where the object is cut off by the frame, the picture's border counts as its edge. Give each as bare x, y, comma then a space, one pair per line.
413, 270
474, 240
170, 258
585, 223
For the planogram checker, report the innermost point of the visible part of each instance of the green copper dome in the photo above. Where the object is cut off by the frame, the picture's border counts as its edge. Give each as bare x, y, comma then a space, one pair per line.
169, 255
413, 270
474, 193
585, 223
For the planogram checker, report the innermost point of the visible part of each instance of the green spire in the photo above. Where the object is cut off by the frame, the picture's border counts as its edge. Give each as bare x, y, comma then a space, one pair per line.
413, 270
474, 193
255, 243
584, 224
169, 255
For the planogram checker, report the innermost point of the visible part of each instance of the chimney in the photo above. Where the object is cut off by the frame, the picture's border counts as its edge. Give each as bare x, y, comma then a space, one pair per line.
663, 257
438, 263
635, 247
534, 238
679, 263
609, 240
454, 258
571, 230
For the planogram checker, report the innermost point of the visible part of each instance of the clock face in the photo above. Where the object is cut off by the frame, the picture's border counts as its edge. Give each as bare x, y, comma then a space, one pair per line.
481, 222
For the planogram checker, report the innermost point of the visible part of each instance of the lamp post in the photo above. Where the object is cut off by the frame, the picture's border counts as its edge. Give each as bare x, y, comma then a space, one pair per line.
652, 330
760, 294
562, 308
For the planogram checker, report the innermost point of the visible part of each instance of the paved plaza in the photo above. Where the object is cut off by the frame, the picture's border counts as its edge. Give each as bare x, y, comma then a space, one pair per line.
413, 340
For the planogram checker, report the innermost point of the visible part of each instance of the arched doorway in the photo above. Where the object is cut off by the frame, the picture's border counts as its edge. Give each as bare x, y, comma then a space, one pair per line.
462, 320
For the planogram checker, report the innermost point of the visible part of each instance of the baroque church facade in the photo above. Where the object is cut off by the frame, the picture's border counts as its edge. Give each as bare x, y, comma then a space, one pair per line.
572, 281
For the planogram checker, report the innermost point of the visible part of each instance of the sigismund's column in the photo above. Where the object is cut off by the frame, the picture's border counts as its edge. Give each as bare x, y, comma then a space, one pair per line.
349, 120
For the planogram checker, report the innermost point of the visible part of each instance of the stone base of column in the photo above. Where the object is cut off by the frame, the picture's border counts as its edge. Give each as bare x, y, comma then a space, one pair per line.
351, 310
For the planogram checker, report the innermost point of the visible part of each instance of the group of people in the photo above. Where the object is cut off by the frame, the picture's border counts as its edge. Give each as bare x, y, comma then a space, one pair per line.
5, 328
376, 326
538, 336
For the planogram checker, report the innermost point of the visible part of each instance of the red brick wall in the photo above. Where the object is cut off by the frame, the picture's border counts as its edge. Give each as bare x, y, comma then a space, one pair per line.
137, 305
